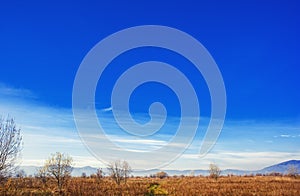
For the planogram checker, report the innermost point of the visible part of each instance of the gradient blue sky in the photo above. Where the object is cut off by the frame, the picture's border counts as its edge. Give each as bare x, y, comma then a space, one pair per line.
255, 44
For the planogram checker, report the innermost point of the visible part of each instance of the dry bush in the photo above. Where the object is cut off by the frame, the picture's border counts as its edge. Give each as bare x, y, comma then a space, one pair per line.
161, 175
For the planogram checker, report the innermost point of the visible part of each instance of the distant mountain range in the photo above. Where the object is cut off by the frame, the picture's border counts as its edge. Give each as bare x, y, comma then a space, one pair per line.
282, 167
278, 168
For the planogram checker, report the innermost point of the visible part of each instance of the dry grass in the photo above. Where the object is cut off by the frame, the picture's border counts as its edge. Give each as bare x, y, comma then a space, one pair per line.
256, 185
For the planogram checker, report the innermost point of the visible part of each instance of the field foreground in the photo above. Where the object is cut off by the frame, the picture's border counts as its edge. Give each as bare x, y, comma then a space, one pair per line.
231, 185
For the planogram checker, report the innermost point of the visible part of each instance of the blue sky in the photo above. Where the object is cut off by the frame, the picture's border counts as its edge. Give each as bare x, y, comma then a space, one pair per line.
255, 45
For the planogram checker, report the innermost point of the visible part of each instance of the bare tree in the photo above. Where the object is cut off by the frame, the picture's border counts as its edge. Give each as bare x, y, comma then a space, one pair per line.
192, 173
10, 146
99, 174
292, 170
214, 171
126, 170
119, 171
59, 166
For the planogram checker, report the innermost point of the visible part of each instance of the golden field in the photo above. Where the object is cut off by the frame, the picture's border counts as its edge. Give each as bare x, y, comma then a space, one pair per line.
229, 185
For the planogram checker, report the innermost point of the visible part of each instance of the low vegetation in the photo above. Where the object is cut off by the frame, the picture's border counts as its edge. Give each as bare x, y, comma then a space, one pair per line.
229, 185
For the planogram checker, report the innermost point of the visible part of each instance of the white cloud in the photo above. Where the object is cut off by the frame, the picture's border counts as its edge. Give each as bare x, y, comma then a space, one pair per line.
285, 135
107, 109
16, 92
235, 159
141, 141
81, 161
47, 130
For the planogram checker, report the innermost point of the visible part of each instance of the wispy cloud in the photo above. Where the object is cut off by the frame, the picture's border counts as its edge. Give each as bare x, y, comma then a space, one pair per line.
107, 109
283, 135
242, 144
141, 141
7, 91
237, 159
286, 136
137, 144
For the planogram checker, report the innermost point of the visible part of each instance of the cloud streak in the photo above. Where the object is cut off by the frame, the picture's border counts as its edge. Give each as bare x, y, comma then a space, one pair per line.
47, 130
7, 91
107, 109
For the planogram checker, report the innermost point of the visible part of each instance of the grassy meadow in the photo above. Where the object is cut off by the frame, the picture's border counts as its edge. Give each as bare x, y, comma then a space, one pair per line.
225, 185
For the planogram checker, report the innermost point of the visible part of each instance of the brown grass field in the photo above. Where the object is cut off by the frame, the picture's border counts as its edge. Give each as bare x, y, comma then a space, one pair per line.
234, 185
